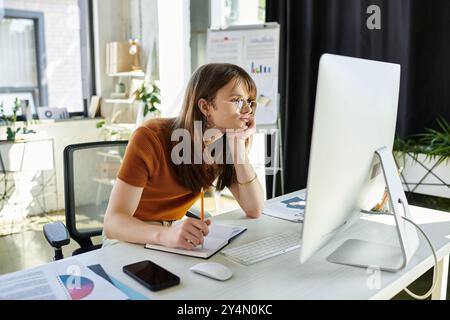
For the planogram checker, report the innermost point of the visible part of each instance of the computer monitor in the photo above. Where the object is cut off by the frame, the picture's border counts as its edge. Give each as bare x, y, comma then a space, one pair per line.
355, 115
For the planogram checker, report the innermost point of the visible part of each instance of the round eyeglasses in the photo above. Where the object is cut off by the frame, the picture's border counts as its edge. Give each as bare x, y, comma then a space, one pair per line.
240, 103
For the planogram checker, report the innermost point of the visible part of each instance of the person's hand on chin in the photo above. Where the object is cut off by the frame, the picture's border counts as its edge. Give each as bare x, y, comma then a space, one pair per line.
236, 139
246, 131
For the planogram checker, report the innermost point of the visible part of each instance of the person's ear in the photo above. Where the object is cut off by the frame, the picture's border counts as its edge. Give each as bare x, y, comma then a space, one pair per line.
203, 105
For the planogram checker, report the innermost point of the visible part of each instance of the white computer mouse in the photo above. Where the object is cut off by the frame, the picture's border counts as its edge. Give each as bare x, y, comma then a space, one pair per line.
213, 270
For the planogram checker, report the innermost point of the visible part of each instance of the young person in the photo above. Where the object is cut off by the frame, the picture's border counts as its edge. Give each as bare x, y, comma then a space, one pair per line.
161, 175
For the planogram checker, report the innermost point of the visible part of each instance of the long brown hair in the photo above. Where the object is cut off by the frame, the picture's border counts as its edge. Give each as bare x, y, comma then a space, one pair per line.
206, 81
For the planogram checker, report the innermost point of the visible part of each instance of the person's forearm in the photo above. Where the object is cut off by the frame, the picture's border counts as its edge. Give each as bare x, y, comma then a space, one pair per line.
251, 195
129, 229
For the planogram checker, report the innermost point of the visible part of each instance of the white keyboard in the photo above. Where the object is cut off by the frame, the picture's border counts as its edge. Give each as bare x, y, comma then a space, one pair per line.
265, 248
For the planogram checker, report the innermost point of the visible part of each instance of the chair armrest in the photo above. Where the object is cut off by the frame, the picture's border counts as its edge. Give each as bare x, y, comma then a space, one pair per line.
56, 234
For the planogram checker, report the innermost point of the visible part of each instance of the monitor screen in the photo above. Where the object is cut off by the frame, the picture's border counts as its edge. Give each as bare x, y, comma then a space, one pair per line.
355, 114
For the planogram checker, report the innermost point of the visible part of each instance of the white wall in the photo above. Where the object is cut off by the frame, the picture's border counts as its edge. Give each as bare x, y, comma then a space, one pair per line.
174, 52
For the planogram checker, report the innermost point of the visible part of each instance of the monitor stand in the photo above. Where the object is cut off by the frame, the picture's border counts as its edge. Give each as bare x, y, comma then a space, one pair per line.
361, 253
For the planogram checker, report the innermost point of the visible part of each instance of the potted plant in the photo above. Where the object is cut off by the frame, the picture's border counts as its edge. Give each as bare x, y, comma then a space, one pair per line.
10, 122
424, 161
150, 96
113, 132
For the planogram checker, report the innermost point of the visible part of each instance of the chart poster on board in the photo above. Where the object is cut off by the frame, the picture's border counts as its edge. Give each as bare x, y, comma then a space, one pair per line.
257, 51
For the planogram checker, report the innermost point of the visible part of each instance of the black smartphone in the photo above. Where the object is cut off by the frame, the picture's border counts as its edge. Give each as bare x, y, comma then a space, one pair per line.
150, 275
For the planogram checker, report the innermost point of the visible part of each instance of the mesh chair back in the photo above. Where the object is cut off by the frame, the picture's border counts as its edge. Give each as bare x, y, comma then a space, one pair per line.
89, 174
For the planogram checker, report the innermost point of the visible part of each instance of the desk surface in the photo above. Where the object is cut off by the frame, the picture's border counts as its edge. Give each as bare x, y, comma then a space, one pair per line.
283, 277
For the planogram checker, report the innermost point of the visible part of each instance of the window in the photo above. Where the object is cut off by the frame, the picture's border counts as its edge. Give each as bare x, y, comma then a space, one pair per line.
20, 54
220, 13
237, 12
18, 61
45, 54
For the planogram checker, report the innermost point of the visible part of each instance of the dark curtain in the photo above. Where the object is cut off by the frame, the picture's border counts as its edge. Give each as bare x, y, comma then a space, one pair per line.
414, 33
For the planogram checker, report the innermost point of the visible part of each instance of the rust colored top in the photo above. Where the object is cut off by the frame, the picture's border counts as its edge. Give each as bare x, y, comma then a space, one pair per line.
147, 163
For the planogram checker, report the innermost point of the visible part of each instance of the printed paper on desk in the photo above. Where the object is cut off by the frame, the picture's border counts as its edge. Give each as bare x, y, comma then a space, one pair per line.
32, 284
63, 280
83, 284
291, 209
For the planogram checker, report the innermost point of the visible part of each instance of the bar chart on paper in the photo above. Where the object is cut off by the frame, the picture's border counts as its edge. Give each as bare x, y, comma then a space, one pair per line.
256, 50
257, 69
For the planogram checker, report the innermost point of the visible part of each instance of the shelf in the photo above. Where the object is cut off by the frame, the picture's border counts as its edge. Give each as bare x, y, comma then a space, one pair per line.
121, 101
127, 74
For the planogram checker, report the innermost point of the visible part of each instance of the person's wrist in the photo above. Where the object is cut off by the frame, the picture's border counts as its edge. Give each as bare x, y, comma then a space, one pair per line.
239, 155
251, 180
161, 235
237, 145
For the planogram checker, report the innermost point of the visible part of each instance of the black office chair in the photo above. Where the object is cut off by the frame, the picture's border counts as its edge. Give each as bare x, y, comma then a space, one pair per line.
89, 173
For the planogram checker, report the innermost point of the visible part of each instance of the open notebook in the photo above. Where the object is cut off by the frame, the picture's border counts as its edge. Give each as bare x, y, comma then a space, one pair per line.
218, 237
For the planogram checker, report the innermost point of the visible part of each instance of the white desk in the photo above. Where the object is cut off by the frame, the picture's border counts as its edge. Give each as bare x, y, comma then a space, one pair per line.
283, 277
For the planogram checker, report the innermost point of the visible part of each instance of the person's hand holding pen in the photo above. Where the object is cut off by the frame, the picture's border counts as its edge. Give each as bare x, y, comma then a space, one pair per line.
189, 233
186, 235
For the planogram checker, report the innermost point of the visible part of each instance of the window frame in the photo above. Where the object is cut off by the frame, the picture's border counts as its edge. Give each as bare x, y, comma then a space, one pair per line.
87, 56
40, 97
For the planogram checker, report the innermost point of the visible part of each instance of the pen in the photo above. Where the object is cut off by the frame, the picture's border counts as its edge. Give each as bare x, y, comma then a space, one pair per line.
202, 207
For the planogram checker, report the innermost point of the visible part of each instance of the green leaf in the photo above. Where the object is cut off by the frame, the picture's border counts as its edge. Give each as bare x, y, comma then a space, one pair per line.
100, 124
10, 134
433, 143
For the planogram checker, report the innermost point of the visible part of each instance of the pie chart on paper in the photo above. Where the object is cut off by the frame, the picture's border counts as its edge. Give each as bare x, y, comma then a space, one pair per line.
78, 287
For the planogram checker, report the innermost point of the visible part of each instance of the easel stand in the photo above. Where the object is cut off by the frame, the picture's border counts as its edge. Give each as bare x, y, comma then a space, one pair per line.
365, 254
276, 163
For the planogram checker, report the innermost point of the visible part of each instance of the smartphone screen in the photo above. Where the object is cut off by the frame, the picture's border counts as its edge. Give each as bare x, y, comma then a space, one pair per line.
151, 275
